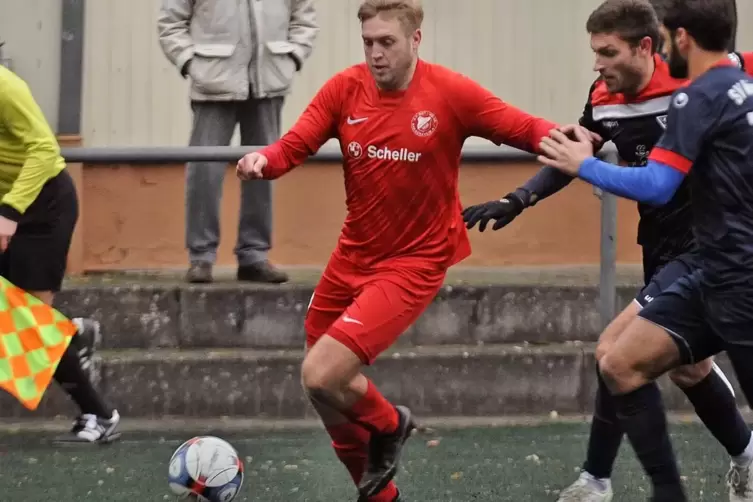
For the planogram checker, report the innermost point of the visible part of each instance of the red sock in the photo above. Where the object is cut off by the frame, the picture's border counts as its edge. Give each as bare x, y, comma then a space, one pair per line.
387, 495
374, 411
351, 442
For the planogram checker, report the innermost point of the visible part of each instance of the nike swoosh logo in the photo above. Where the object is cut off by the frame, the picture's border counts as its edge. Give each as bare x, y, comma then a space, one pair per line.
348, 319
352, 121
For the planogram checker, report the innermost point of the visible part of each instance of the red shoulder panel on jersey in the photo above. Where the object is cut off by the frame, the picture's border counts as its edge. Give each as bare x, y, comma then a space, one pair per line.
661, 85
653, 100
671, 159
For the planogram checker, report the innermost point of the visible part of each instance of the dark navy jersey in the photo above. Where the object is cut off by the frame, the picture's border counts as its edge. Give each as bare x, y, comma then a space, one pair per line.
634, 124
710, 136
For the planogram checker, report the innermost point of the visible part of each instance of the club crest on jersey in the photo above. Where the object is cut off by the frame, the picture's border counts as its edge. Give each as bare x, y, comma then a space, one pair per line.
424, 123
355, 150
680, 100
641, 154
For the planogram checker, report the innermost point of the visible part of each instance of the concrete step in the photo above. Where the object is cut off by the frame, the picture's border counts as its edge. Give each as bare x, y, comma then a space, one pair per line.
159, 315
461, 381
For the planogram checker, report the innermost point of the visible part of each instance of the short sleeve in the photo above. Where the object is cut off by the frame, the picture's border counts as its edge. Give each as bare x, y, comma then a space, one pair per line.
689, 123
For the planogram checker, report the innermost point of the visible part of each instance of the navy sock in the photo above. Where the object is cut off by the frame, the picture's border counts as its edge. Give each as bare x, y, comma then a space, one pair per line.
606, 434
641, 415
716, 407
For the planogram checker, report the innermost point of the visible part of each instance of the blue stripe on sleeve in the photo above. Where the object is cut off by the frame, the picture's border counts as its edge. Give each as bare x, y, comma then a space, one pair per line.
655, 183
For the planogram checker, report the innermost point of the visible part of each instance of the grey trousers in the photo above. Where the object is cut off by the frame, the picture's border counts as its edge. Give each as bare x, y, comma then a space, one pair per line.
213, 125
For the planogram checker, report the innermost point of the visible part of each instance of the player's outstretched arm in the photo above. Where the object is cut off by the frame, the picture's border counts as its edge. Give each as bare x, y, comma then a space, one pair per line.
316, 125
655, 183
483, 114
690, 121
549, 180
546, 182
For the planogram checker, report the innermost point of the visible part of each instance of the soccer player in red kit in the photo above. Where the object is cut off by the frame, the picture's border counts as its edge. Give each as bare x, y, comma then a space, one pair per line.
401, 123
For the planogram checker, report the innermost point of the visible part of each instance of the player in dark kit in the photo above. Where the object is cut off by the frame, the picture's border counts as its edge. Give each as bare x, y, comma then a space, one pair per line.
628, 105
709, 140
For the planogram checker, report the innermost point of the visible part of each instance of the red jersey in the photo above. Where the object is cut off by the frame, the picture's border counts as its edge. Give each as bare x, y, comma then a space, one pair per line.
401, 157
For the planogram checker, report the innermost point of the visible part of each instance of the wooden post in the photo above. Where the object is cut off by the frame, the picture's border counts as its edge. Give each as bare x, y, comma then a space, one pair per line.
733, 43
76, 254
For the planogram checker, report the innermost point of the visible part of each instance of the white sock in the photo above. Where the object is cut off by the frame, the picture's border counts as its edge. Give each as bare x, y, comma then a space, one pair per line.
746, 457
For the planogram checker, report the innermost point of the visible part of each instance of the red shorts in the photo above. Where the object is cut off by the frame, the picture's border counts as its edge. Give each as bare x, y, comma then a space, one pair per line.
368, 310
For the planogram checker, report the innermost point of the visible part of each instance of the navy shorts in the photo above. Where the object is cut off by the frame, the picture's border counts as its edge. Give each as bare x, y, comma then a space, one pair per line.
663, 277
702, 323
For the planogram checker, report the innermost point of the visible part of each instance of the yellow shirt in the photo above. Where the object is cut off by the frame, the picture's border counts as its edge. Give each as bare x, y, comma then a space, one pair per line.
29, 151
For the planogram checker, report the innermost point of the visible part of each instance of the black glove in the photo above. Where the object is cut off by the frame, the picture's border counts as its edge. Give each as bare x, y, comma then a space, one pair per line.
503, 211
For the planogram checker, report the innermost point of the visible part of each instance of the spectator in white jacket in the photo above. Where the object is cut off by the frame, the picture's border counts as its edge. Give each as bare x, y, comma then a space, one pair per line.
241, 57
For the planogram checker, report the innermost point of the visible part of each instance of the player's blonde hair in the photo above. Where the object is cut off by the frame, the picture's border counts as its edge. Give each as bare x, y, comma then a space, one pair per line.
409, 12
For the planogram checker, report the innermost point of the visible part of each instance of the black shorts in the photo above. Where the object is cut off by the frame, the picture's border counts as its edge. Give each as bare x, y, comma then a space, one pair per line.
652, 263
702, 324
37, 254
663, 276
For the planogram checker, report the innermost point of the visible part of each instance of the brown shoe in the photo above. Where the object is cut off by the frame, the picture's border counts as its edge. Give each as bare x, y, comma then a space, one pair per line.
199, 273
262, 272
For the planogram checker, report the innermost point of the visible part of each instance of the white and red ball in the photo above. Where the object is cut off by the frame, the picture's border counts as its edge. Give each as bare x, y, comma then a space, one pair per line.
206, 469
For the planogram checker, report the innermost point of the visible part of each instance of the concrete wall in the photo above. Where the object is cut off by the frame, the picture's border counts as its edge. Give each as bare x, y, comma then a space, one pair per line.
31, 32
534, 54
133, 219
134, 97
745, 25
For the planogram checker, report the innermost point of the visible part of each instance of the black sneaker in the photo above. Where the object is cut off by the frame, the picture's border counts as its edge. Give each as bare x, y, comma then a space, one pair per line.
86, 341
384, 455
91, 429
263, 272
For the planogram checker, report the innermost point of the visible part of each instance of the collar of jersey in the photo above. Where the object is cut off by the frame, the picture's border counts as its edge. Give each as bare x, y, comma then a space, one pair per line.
660, 85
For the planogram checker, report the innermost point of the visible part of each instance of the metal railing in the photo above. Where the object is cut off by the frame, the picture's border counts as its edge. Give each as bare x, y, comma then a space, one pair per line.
476, 154
178, 155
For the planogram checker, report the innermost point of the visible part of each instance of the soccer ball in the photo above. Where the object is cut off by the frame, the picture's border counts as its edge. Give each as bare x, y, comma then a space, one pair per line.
205, 469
